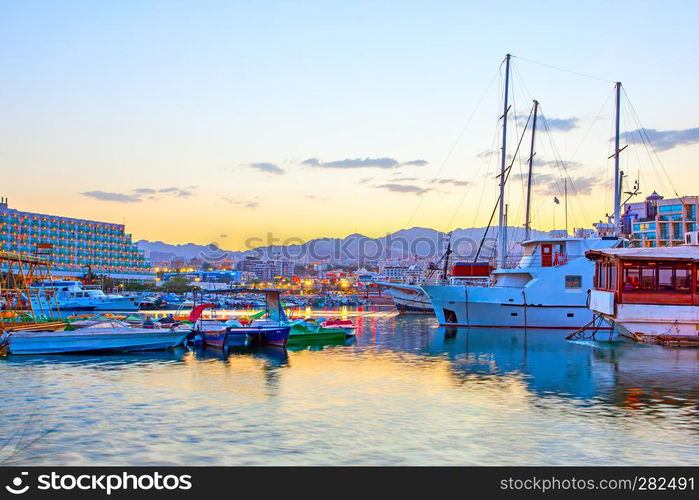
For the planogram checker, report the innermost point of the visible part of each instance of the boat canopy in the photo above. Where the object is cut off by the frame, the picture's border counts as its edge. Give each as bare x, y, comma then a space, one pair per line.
272, 297
686, 253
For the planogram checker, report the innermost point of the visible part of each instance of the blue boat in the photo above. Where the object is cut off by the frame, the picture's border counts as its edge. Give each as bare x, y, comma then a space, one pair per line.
271, 331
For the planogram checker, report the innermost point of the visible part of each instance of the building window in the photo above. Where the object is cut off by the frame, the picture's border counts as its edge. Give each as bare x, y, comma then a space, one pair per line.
574, 282
665, 209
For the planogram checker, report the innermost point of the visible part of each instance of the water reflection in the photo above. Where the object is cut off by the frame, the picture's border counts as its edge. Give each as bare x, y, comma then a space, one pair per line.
404, 391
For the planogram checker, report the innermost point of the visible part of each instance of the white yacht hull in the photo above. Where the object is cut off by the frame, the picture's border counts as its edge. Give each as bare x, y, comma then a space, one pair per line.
526, 297
501, 307
89, 304
409, 299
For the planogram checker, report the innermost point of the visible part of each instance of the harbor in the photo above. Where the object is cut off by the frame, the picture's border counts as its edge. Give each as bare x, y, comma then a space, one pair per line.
402, 392
246, 239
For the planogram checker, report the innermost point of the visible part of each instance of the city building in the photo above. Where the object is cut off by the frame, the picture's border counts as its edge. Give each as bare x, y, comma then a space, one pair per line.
659, 222
266, 270
74, 246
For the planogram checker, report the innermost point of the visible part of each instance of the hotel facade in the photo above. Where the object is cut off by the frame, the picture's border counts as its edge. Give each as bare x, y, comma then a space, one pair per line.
74, 246
659, 222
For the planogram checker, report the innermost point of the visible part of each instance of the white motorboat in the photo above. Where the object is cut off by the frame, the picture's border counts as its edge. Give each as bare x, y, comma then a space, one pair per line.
548, 289
98, 339
74, 296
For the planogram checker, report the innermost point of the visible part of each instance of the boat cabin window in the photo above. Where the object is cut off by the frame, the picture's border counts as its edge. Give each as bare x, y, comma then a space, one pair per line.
573, 282
605, 276
652, 277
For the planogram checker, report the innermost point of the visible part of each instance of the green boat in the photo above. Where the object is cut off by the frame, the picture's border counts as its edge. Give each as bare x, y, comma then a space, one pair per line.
304, 331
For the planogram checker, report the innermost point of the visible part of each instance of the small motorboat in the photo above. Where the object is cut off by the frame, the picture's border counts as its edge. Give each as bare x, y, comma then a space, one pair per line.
92, 339
307, 331
344, 325
272, 331
246, 336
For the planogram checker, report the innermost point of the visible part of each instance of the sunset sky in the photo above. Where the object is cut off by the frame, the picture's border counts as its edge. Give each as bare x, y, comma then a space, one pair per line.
220, 121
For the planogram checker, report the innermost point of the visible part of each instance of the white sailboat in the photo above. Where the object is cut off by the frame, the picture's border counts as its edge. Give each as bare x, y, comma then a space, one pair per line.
547, 288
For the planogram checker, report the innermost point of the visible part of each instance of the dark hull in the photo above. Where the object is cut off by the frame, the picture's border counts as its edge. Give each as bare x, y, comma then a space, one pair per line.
247, 336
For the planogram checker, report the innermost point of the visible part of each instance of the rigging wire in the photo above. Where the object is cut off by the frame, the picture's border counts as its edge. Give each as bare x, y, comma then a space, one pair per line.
561, 164
647, 142
565, 70
506, 173
453, 147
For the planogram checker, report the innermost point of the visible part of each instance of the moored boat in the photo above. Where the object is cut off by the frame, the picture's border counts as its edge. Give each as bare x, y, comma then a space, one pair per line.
74, 296
649, 294
306, 331
110, 339
408, 299
271, 331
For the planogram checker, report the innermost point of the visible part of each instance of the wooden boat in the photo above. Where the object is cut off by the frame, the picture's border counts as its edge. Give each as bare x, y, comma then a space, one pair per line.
649, 294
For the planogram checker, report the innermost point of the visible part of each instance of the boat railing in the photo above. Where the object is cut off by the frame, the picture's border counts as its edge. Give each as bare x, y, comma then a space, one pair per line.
559, 259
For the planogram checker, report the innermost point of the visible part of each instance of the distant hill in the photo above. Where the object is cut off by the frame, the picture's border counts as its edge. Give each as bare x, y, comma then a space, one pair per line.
414, 242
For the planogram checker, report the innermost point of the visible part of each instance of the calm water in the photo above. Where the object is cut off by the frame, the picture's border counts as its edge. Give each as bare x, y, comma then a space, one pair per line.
403, 392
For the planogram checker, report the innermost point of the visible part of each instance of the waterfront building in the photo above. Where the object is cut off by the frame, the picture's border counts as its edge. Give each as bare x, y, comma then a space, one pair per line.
74, 246
265, 270
659, 222
394, 274
217, 276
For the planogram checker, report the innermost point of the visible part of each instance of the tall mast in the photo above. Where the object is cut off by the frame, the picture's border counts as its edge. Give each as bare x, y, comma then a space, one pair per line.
527, 223
565, 200
617, 180
503, 160
445, 270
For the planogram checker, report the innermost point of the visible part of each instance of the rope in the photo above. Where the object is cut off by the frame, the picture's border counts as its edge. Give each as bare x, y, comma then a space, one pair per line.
565, 70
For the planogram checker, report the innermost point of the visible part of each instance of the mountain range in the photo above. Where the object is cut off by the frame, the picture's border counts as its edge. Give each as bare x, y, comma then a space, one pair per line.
405, 243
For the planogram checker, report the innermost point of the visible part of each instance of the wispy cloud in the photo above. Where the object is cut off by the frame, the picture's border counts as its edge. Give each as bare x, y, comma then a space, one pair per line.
109, 196
269, 168
241, 203
562, 124
569, 164
402, 188
553, 124
453, 182
140, 194
664, 139
313, 197
487, 154
415, 163
181, 193
363, 163
552, 185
